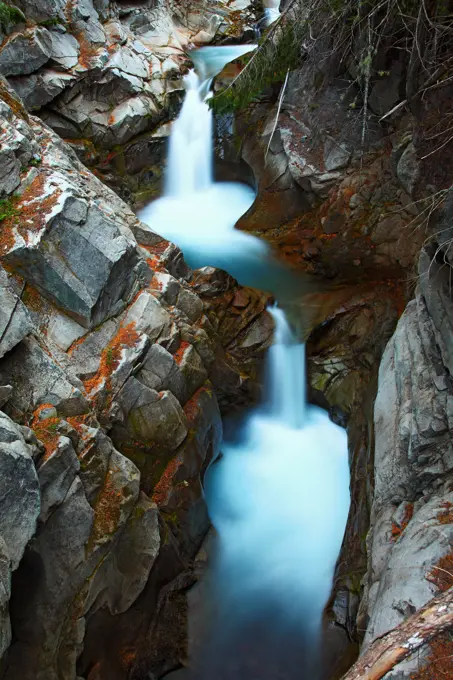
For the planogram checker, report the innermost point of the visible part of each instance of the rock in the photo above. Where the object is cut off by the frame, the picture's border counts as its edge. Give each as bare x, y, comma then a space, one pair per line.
38, 89
385, 92
336, 156
56, 475
408, 169
411, 532
5, 594
88, 287
42, 10
156, 419
65, 50
5, 393
19, 491
25, 52
127, 569
15, 323
37, 379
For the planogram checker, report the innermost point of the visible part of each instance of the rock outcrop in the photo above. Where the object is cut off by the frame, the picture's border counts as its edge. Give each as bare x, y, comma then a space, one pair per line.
411, 537
110, 367
107, 76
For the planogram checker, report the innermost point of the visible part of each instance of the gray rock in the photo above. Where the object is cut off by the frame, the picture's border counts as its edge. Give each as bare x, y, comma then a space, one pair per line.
19, 490
336, 156
15, 322
25, 52
40, 10
408, 169
5, 594
156, 419
84, 263
5, 393
38, 89
37, 379
160, 371
148, 316
126, 571
65, 50
56, 474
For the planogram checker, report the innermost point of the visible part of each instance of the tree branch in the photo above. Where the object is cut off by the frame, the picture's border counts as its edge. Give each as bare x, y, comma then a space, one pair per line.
389, 649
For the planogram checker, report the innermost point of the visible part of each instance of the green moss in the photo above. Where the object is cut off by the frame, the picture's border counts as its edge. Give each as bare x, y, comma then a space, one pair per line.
50, 22
10, 16
268, 66
7, 209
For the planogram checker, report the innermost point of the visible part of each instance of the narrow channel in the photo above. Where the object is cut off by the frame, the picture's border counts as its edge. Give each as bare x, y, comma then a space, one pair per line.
278, 496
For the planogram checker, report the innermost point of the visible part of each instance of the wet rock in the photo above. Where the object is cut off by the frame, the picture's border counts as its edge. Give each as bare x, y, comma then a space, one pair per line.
25, 52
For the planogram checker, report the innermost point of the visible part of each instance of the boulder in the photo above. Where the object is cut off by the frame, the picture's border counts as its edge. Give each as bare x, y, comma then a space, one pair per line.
25, 52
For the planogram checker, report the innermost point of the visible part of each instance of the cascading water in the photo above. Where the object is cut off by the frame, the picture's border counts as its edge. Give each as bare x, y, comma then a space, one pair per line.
279, 495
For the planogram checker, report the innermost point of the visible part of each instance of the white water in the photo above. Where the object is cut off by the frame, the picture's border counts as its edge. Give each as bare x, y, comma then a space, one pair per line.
279, 495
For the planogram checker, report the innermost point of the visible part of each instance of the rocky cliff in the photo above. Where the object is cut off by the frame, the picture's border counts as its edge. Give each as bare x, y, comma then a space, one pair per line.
351, 149
114, 359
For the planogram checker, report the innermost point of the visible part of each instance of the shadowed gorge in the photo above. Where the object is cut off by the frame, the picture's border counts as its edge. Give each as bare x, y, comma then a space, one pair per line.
226, 355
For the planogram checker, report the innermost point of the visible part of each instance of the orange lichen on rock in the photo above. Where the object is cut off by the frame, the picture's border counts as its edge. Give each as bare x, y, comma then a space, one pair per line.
87, 50
441, 575
439, 664
126, 336
397, 529
30, 212
163, 486
446, 515
46, 429
107, 510
33, 299
127, 656
192, 408
14, 103
179, 354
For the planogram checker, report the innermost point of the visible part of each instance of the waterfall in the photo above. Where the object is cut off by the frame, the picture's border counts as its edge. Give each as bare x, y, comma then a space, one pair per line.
278, 496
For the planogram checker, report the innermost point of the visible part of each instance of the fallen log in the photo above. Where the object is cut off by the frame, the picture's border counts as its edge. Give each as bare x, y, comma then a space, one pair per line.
392, 647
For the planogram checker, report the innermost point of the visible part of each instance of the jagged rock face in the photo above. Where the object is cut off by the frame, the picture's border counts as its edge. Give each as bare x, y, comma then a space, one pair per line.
411, 534
110, 363
332, 203
107, 77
